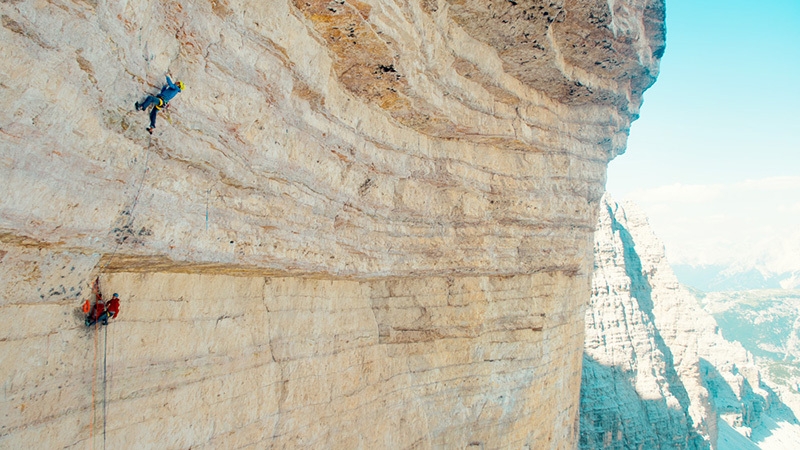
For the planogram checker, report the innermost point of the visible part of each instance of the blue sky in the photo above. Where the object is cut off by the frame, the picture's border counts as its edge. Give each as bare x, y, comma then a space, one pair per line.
724, 112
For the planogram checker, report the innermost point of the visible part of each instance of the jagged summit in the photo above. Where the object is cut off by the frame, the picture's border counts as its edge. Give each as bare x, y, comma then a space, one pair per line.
676, 381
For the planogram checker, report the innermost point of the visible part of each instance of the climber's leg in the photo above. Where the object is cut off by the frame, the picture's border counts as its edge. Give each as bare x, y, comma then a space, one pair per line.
150, 100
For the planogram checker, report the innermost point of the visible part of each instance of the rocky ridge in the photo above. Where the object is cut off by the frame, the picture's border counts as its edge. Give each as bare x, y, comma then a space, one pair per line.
364, 224
676, 381
767, 323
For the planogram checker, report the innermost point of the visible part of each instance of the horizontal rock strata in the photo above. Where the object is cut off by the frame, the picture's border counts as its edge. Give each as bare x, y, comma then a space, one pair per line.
362, 224
276, 158
216, 361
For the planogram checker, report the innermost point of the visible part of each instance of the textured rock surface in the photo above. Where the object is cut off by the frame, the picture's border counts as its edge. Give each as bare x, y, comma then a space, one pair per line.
311, 146
632, 396
657, 371
363, 224
222, 362
628, 352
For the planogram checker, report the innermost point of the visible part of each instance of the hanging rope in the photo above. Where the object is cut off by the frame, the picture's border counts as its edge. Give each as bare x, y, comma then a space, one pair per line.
135, 201
94, 389
97, 286
95, 334
144, 175
105, 390
94, 386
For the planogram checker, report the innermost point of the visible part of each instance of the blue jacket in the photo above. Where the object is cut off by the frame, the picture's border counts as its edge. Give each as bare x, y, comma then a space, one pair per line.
169, 91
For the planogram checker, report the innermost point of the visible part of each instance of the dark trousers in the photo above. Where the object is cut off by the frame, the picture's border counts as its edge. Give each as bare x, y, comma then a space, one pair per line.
152, 100
102, 319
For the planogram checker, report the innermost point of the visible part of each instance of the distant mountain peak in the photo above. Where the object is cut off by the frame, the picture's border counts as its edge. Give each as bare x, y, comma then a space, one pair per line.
677, 381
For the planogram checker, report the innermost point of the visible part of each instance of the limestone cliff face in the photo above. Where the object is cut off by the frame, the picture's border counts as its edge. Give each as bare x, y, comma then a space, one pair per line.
633, 395
363, 223
657, 372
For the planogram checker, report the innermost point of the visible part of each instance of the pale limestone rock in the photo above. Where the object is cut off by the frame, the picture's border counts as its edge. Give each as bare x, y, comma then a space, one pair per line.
364, 224
633, 394
223, 361
305, 153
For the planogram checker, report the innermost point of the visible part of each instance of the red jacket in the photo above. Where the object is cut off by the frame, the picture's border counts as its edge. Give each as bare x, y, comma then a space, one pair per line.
113, 306
99, 308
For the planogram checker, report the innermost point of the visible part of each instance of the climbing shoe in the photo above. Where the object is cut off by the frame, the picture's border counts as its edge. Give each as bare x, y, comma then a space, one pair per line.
138, 106
150, 129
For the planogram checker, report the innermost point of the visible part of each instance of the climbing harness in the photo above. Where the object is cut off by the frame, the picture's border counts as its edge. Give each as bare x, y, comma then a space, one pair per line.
160, 103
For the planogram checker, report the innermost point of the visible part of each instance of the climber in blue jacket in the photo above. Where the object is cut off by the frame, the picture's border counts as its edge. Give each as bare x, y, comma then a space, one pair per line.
159, 101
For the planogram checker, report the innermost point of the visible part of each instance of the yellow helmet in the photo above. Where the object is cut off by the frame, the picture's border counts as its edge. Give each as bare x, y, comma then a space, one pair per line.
180, 85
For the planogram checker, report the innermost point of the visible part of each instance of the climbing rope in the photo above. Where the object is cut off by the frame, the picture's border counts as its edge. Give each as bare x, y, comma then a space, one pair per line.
141, 182
105, 337
97, 286
134, 203
105, 384
94, 390
94, 386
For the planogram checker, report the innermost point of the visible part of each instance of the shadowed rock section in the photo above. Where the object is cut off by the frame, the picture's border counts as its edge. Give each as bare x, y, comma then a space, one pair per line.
358, 212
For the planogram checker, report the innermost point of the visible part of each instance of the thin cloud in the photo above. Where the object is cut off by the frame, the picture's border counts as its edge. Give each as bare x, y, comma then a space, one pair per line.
771, 184
751, 222
705, 193
684, 193
794, 208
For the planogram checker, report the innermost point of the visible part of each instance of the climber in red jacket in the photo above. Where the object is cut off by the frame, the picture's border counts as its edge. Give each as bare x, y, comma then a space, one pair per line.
112, 310
113, 307
102, 311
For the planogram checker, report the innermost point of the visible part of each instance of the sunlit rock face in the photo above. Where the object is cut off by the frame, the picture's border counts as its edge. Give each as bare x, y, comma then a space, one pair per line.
362, 224
657, 372
641, 383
